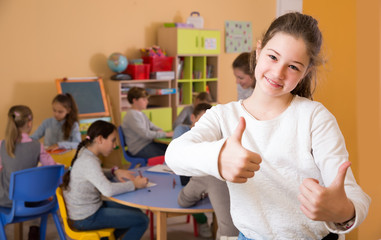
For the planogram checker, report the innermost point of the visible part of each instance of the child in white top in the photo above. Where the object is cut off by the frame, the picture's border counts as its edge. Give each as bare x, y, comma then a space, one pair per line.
85, 183
285, 164
61, 130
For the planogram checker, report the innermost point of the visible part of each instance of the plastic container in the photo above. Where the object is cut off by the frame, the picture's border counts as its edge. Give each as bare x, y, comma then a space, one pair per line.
196, 20
139, 71
158, 64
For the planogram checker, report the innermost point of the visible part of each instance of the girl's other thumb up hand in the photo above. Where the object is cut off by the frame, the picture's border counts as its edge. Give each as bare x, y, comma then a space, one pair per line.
236, 163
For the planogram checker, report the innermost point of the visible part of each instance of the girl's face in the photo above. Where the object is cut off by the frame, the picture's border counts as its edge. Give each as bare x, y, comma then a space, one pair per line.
242, 78
107, 145
59, 111
141, 103
281, 64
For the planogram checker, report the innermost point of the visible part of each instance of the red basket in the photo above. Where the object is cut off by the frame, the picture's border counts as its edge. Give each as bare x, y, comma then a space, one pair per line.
159, 63
140, 71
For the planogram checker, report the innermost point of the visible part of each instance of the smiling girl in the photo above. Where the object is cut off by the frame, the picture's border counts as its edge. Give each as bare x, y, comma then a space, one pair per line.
61, 130
286, 164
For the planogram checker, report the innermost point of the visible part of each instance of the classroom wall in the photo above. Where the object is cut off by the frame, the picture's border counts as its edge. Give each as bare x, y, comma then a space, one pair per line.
44, 40
350, 89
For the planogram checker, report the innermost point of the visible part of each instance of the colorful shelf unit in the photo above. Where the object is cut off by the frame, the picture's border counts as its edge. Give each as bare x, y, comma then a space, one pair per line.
196, 60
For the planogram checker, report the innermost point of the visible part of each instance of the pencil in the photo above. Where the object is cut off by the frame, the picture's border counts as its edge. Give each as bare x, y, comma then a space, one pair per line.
140, 173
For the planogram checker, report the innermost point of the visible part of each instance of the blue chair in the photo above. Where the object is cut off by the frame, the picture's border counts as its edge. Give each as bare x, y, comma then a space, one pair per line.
135, 161
33, 192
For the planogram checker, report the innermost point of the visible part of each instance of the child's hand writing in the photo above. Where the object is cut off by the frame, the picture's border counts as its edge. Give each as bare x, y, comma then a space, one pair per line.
236, 163
140, 182
122, 175
53, 147
326, 203
169, 134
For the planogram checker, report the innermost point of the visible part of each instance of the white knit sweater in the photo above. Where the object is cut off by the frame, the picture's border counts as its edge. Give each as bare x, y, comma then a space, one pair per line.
303, 142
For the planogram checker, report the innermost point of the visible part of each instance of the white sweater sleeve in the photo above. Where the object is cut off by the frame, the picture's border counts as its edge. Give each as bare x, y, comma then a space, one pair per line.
196, 152
329, 152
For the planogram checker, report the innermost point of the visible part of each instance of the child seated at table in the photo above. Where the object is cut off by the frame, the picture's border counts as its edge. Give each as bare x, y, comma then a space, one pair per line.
185, 114
17, 152
198, 187
61, 130
138, 130
85, 182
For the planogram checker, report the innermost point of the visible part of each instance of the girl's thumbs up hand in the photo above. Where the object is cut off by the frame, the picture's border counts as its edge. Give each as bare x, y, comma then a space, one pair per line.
236, 163
326, 203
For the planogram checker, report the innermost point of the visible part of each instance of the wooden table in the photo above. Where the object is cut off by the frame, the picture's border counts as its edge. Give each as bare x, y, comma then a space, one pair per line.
161, 199
64, 158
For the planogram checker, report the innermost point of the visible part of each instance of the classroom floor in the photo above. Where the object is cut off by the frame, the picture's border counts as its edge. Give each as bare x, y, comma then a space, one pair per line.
177, 229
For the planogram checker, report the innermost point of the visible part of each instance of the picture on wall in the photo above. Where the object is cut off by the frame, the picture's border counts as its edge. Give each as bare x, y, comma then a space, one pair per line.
238, 36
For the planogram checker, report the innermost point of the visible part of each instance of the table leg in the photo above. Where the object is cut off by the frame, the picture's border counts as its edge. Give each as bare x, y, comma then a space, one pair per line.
161, 225
18, 229
215, 226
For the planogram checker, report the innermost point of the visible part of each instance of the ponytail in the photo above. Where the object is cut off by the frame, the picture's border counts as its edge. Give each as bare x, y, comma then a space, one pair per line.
66, 177
18, 116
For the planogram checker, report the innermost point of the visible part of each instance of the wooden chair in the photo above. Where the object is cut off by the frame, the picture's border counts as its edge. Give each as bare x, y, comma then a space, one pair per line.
80, 235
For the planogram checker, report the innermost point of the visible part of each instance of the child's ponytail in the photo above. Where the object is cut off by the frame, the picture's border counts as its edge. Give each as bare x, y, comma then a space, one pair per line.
18, 116
66, 177
67, 100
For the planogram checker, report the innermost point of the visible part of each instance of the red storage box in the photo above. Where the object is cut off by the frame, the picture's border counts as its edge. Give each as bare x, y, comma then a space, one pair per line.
140, 71
159, 63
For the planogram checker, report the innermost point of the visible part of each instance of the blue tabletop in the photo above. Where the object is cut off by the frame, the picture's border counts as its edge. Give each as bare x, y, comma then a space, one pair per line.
161, 197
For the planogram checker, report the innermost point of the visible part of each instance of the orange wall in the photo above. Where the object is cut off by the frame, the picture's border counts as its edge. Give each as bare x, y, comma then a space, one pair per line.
44, 40
350, 88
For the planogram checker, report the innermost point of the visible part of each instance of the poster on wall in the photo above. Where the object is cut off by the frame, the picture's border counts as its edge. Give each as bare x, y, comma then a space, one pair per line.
238, 36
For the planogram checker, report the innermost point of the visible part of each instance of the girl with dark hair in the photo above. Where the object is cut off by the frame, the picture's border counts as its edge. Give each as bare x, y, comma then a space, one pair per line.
85, 182
62, 130
286, 163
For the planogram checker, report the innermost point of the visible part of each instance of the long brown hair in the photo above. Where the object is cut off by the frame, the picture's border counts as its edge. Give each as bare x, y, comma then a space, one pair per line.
306, 27
97, 128
69, 104
246, 63
18, 116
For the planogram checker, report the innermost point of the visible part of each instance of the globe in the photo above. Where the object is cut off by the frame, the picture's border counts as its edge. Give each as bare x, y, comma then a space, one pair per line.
117, 62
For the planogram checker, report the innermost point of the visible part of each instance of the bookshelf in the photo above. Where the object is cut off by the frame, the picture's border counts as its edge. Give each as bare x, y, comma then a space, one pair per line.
159, 109
196, 62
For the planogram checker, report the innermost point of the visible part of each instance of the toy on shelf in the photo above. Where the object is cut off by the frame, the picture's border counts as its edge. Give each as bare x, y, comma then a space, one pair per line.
118, 64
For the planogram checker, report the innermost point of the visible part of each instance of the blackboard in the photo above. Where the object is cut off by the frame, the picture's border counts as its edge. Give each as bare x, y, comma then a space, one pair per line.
89, 95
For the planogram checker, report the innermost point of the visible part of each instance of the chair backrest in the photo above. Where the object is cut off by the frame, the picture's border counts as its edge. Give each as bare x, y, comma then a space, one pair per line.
35, 184
133, 160
31, 191
75, 234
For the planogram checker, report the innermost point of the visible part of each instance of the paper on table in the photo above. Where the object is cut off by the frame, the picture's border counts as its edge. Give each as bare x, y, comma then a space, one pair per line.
151, 184
161, 168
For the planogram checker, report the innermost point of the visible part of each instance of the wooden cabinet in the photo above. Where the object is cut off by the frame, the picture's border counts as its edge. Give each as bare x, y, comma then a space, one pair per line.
159, 109
196, 62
